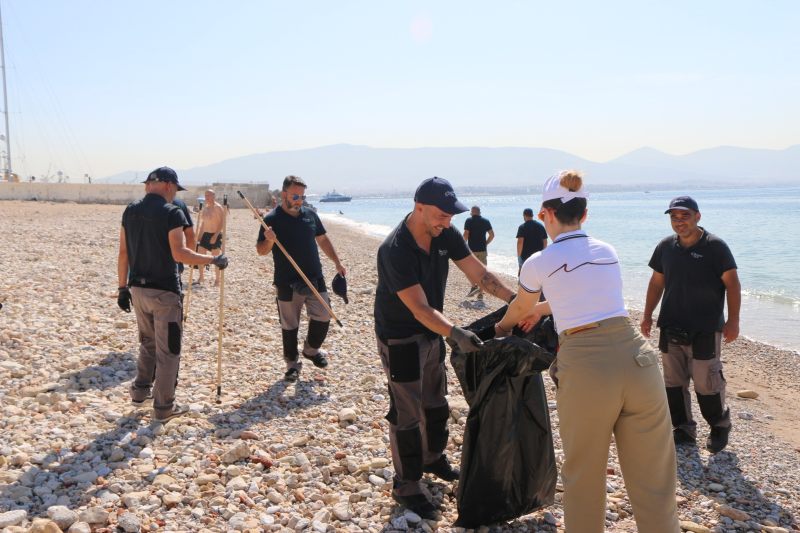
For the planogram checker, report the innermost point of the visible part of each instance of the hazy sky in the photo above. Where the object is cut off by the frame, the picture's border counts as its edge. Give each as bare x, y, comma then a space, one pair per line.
102, 86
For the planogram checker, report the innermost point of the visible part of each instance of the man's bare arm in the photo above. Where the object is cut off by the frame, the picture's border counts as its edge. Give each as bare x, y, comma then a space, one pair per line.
733, 290
122, 260
414, 298
326, 246
491, 237
655, 288
182, 254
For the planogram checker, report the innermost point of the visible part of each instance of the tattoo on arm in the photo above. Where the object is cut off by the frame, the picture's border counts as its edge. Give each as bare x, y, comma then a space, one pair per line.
494, 286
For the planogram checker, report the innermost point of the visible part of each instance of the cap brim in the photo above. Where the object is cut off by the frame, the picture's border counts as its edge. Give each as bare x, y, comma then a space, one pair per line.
180, 188
678, 208
456, 209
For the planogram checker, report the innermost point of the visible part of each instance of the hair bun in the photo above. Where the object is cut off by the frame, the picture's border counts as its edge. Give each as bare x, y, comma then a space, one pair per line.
572, 180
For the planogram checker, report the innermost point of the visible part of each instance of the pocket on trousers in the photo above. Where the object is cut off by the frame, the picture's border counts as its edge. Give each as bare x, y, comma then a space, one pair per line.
174, 337
404, 362
704, 346
646, 357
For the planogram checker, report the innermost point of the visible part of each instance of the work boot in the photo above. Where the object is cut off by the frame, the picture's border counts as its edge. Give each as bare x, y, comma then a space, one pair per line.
680, 436
419, 504
718, 439
319, 360
148, 400
291, 375
473, 291
176, 411
441, 468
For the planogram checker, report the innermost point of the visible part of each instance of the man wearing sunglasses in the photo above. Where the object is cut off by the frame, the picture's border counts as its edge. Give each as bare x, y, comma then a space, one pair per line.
301, 233
694, 270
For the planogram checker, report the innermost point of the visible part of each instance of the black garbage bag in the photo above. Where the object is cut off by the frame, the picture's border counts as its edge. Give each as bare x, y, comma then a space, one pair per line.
508, 467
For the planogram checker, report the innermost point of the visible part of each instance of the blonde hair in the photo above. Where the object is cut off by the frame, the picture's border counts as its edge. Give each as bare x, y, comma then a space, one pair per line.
572, 180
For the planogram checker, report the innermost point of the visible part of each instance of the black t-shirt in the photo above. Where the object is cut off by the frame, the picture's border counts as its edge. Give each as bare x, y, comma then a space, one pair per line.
147, 223
694, 295
402, 264
534, 235
182, 205
477, 227
298, 236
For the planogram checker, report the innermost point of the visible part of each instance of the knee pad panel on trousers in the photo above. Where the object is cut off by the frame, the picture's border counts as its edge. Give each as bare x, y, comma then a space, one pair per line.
174, 337
404, 362
317, 331
677, 406
289, 337
409, 448
711, 408
436, 427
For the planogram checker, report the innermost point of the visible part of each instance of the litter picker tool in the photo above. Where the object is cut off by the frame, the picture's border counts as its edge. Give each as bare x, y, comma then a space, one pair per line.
289, 257
221, 298
191, 267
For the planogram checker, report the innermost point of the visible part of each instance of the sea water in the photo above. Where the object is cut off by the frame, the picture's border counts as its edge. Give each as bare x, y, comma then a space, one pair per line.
760, 226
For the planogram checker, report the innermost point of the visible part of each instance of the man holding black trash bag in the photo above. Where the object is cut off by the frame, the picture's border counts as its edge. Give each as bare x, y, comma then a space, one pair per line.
301, 232
694, 270
409, 325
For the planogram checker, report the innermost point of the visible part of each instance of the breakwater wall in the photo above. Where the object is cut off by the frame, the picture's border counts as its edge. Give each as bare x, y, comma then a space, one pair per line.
103, 193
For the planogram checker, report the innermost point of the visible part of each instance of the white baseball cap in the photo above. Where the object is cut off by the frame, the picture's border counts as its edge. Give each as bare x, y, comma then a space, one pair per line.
554, 190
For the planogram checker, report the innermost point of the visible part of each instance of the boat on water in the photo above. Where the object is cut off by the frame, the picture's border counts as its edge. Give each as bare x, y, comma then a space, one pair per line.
335, 197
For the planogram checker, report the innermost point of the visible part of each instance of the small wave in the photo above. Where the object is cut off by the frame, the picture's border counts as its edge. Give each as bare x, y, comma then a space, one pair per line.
773, 296
375, 230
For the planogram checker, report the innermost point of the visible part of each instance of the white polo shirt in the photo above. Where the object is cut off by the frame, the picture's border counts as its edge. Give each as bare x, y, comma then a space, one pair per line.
580, 277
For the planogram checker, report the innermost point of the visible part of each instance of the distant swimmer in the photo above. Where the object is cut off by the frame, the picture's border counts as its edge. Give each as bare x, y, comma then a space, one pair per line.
340, 212
695, 272
210, 230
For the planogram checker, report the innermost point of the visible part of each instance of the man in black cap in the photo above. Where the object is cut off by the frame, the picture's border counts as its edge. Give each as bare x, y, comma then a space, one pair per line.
695, 271
302, 235
151, 244
409, 325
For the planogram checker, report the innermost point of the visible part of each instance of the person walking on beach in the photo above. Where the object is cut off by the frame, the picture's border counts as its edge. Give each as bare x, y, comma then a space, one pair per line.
409, 326
694, 270
151, 243
606, 375
301, 232
531, 237
210, 230
476, 229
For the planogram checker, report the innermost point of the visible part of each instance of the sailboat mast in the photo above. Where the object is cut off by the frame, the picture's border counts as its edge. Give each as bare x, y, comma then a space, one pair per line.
7, 170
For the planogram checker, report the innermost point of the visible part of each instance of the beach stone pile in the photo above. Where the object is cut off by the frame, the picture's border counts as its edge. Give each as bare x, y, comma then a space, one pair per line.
312, 456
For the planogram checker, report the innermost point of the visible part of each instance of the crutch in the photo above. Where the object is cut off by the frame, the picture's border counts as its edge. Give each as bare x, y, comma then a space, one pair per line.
289, 257
221, 298
191, 268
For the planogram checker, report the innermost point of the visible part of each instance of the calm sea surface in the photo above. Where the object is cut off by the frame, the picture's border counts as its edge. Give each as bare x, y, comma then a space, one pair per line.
760, 226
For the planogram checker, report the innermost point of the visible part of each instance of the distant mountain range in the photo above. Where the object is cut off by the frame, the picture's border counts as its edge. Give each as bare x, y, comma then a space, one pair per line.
364, 170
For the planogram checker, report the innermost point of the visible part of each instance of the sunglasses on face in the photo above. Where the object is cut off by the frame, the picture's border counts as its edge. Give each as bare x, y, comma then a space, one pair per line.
295, 197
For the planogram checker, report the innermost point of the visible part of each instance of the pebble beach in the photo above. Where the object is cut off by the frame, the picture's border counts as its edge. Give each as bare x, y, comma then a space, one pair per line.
76, 456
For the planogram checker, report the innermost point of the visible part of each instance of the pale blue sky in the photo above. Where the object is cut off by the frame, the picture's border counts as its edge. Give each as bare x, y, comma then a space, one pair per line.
101, 87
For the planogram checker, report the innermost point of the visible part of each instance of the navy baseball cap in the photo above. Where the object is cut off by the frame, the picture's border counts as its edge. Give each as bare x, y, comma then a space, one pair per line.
165, 175
684, 203
439, 193
339, 285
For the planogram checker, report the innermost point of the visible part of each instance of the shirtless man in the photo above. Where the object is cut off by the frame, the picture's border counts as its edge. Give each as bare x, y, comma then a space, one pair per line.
210, 231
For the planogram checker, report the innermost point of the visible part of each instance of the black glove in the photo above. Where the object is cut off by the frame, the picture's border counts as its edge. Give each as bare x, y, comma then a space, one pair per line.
220, 261
464, 339
124, 299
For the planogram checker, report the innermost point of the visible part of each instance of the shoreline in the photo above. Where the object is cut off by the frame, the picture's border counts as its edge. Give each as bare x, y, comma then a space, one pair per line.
272, 456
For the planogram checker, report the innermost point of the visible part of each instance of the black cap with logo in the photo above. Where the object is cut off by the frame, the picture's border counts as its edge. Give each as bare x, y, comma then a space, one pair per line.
439, 193
684, 203
164, 175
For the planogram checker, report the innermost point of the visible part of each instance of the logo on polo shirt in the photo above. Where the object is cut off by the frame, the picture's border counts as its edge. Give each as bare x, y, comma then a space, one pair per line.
696, 255
442, 253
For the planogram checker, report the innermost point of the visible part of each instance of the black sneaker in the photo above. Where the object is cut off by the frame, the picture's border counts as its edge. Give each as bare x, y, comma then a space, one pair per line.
718, 439
291, 375
319, 360
141, 403
176, 411
419, 504
680, 436
441, 468
473, 291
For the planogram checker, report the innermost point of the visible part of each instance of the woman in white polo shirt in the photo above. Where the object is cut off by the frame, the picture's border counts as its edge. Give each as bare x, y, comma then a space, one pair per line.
608, 382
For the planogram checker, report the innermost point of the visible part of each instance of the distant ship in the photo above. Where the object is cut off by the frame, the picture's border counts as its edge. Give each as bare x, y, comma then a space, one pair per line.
335, 197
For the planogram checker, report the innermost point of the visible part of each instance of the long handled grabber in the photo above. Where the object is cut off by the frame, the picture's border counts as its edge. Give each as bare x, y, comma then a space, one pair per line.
289, 257
191, 267
221, 298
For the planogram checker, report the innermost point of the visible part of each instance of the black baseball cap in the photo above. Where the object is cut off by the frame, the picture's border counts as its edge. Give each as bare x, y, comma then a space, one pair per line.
684, 203
165, 175
339, 285
439, 193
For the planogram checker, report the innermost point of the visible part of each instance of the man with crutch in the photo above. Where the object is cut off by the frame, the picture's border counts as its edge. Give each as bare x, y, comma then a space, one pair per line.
301, 233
